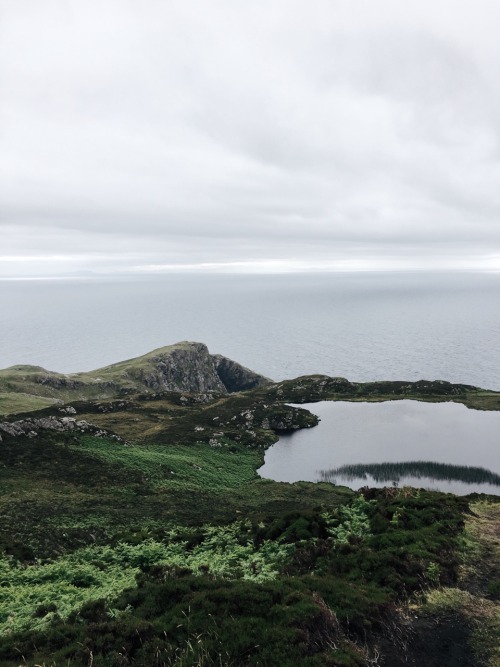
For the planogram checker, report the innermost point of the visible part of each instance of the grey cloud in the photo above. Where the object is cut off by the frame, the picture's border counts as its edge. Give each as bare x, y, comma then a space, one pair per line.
175, 132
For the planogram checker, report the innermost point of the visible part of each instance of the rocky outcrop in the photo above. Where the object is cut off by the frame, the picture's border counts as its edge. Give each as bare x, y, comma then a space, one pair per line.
31, 428
188, 367
58, 382
185, 367
311, 388
236, 377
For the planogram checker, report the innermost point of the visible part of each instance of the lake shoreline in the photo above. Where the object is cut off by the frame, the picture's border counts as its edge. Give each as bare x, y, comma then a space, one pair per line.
437, 445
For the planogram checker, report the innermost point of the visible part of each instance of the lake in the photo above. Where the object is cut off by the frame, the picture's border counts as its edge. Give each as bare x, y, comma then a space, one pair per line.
441, 446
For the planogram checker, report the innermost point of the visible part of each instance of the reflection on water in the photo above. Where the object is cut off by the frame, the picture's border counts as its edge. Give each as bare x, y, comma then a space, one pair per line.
442, 446
394, 473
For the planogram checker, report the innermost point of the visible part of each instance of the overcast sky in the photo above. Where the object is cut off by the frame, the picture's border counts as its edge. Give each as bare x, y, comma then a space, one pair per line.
267, 135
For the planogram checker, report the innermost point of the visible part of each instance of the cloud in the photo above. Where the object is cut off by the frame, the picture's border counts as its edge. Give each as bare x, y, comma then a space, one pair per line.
307, 134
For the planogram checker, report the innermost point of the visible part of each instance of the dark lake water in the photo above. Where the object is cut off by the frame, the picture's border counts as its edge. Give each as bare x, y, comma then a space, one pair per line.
441, 446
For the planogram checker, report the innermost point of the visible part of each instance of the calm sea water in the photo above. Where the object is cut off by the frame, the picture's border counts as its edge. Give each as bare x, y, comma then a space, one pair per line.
364, 326
441, 446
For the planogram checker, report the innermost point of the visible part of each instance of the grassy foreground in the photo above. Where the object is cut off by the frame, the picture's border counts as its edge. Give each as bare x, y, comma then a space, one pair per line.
167, 549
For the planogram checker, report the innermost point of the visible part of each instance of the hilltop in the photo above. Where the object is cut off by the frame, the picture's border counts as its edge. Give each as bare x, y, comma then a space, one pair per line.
184, 366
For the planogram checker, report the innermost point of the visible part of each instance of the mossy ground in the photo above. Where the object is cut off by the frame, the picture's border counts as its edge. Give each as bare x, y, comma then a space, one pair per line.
472, 606
12, 403
307, 586
169, 550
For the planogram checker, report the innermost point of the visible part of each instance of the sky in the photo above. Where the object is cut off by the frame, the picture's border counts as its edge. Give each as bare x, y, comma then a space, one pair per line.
267, 136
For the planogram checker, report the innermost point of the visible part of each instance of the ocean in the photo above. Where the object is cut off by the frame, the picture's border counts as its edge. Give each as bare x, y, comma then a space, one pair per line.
362, 326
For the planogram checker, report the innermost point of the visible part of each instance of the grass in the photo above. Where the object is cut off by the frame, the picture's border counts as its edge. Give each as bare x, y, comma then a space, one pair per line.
114, 380
479, 615
12, 403
302, 587
131, 485
481, 547
170, 550
130, 367
312, 388
220, 468
31, 596
472, 601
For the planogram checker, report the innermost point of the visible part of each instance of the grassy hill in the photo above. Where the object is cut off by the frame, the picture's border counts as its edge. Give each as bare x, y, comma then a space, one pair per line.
149, 539
185, 366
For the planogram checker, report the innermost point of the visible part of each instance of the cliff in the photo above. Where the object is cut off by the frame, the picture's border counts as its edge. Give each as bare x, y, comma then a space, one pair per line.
185, 366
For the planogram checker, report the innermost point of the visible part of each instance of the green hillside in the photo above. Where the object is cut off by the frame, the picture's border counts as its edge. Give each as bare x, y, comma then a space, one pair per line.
184, 366
135, 530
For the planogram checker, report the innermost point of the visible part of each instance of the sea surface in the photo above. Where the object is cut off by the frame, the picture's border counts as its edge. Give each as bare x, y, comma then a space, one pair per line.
362, 326
441, 446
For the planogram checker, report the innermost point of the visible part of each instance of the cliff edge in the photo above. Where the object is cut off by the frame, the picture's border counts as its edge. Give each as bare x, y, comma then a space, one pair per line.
185, 366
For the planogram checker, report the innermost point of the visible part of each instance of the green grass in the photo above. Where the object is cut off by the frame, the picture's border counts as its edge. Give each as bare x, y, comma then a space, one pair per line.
170, 550
303, 587
57, 494
129, 367
198, 465
471, 601
481, 616
31, 596
103, 382
12, 403
312, 388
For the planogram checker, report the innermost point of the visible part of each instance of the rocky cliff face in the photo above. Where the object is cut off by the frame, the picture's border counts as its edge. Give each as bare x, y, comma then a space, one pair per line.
190, 367
185, 367
235, 377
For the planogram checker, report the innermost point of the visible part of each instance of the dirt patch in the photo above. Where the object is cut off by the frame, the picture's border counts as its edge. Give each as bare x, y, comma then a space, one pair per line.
482, 549
433, 642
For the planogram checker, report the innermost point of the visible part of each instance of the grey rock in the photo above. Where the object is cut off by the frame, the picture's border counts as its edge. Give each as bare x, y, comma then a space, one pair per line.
236, 377
187, 368
32, 427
